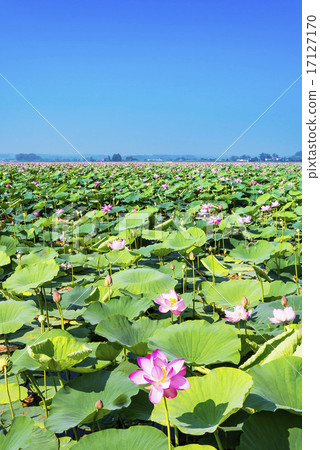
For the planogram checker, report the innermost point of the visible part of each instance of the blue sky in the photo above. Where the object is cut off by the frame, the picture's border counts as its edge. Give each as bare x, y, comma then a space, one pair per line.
151, 76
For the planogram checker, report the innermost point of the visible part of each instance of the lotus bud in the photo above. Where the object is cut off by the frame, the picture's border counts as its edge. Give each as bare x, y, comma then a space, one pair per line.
99, 404
172, 266
284, 301
56, 297
41, 318
191, 256
210, 249
294, 248
300, 331
70, 251
244, 302
108, 281
183, 268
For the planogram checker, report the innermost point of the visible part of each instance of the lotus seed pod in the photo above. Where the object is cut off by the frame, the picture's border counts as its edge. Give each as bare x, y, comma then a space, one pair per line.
284, 301
56, 296
99, 404
108, 281
191, 256
172, 266
244, 302
41, 318
3, 363
70, 251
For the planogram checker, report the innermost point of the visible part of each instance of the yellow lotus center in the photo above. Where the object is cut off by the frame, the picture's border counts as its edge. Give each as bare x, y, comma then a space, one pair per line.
172, 301
164, 375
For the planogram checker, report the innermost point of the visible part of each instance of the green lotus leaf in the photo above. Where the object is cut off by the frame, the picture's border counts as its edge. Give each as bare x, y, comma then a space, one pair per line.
230, 293
195, 447
38, 256
58, 353
254, 253
19, 435
277, 385
129, 334
4, 258
9, 243
278, 288
122, 258
283, 345
212, 264
143, 281
74, 404
31, 277
14, 392
13, 315
277, 431
198, 342
134, 438
209, 401
124, 306
180, 240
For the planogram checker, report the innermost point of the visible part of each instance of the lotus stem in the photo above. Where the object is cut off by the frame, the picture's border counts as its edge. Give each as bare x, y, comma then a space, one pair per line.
53, 381
212, 268
168, 421
60, 379
262, 293
43, 293
296, 271
194, 290
176, 435
7, 390
35, 384
216, 435
61, 315
75, 433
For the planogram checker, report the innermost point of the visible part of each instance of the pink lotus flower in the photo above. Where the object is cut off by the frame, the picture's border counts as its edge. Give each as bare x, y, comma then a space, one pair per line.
275, 204
134, 210
214, 220
164, 378
155, 176
243, 220
8, 185
220, 206
239, 313
170, 302
199, 188
59, 212
97, 183
107, 208
117, 244
282, 315
266, 208
36, 213
165, 186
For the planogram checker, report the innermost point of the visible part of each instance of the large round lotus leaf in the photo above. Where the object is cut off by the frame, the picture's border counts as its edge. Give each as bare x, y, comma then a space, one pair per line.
19, 435
9, 243
4, 258
14, 314
180, 240
277, 431
281, 346
254, 253
119, 329
277, 385
230, 293
122, 258
134, 438
199, 235
214, 266
143, 281
22, 360
38, 256
208, 402
58, 353
14, 392
74, 404
124, 306
199, 342
31, 277
278, 288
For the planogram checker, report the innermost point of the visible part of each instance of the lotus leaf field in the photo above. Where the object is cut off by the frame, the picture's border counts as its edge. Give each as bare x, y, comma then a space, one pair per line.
137, 298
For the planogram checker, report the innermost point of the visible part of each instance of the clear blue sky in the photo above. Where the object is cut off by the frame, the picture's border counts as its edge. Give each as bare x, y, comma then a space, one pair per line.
150, 76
